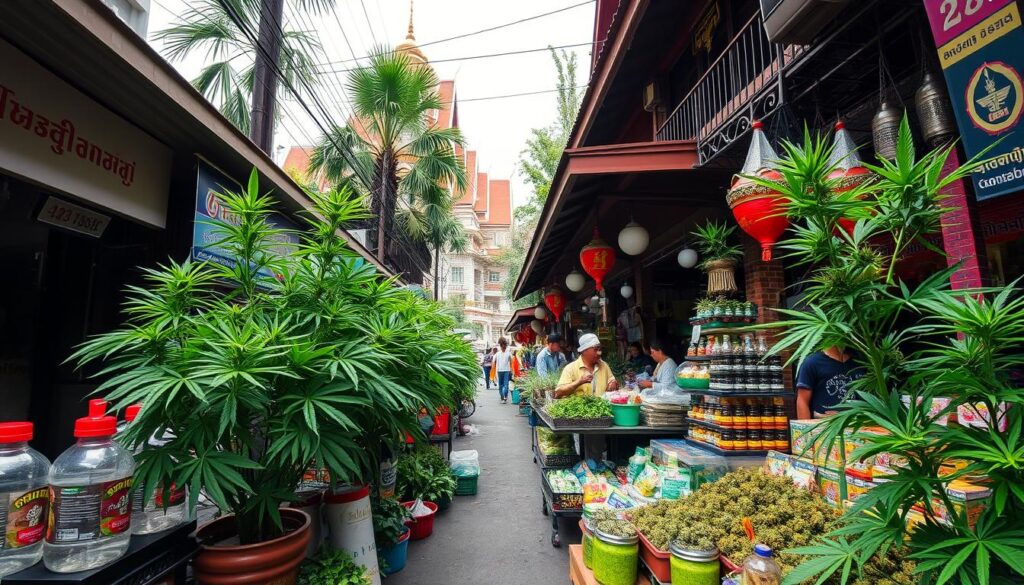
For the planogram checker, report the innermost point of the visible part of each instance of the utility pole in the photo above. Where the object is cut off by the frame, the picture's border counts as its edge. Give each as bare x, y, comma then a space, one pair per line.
264, 95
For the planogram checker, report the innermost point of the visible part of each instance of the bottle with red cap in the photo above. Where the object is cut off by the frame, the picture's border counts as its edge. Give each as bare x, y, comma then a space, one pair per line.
90, 497
24, 498
164, 509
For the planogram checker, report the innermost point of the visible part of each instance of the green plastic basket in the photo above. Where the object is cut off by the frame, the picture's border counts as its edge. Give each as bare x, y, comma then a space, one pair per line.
693, 383
626, 415
466, 486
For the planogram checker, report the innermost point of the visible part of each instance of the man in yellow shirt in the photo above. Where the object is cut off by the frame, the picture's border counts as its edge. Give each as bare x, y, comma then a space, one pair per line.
588, 374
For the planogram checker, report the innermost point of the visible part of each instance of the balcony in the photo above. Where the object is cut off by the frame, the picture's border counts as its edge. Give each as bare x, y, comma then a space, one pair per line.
743, 84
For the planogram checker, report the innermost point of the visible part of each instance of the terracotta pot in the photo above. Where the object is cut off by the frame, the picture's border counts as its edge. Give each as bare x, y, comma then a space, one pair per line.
275, 562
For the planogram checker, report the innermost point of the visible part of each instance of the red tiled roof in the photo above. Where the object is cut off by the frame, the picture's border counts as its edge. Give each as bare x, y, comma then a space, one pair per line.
469, 197
499, 208
446, 91
482, 194
297, 159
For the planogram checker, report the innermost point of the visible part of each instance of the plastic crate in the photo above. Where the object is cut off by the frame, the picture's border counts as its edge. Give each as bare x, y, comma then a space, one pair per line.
466, 486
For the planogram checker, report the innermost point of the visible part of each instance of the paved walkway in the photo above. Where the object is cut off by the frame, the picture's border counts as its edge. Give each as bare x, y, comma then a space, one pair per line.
498, 535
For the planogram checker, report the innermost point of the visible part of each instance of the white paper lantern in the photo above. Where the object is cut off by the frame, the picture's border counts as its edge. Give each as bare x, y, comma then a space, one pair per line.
585, 308
575, 281
626, 291
687, 258
540, 313
633, 239
537, 325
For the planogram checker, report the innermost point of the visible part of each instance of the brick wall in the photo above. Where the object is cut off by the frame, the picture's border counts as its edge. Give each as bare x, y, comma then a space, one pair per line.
765, 284
962, 236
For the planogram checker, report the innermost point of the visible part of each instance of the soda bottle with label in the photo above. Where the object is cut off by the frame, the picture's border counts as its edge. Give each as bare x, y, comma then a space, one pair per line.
24, 498
90, 497
164, 509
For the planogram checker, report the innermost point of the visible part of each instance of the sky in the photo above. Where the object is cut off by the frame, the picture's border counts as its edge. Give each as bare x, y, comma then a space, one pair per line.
495, 128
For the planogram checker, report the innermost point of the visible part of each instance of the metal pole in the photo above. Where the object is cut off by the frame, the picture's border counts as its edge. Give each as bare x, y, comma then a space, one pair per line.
265, 81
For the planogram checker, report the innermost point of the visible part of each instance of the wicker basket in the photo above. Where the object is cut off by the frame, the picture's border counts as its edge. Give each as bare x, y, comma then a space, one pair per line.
558, 460
721, 277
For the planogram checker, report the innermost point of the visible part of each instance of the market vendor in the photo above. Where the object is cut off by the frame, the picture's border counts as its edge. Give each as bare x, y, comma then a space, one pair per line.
589, 374
638, 360
664, 377
823, 380
551, 359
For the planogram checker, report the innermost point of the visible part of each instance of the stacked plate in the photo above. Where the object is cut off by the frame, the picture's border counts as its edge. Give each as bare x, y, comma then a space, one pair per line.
655, 414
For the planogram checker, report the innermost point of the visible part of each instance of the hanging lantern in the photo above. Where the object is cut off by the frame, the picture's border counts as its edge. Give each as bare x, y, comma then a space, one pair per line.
537, 325
575, 281
633, 238
597, 259
626, 291
595, 301
687, 257
555, 300
933, 111
885, 130
585, 308
847, 170
758, 210
540, 312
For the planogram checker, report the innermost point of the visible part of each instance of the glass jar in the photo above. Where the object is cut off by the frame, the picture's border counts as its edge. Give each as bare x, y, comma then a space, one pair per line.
728, 441
615, 559
754, 440
740, 440
588, 545
728, 414
694, 567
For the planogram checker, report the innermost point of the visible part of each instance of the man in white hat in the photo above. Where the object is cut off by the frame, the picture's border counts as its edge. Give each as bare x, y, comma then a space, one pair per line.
589, 374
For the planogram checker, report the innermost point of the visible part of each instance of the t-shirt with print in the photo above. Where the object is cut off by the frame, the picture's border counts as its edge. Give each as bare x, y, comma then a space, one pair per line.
827, 379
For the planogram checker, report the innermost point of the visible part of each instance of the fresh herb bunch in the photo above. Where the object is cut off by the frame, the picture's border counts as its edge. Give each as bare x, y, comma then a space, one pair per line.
712, 240
389, 519
582, 406
963, 348
332, 566
535, 385
424, 474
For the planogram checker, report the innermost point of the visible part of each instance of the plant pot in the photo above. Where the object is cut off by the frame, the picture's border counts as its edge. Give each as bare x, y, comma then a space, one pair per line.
274, 562
721, 277
394, 556
444, 503
421, 527
515, 396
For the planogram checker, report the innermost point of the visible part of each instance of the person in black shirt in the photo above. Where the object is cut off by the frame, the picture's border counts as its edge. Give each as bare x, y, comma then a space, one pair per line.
638, 360
823, 381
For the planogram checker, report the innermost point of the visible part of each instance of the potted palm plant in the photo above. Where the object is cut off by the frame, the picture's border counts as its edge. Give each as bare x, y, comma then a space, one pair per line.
267, 364
713, 241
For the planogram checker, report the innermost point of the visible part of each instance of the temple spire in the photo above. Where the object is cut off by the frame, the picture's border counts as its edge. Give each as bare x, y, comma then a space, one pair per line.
411, 36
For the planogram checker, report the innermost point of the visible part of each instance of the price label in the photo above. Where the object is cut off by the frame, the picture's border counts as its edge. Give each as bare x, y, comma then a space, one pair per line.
73, 217
695, 336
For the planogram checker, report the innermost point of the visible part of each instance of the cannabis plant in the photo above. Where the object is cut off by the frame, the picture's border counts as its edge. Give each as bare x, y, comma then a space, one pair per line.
956, 355
257, 370
712, 240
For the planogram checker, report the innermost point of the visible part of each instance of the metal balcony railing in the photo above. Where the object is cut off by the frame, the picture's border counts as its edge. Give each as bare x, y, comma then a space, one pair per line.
743, 84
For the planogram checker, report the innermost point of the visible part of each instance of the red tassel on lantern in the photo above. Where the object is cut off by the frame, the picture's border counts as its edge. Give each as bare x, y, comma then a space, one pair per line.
848, 173
597, 259
555, 301
759, 210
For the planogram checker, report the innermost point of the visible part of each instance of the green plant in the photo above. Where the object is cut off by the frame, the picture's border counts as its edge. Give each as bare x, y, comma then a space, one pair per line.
424, 474
332, 566
307, 359
389, 519
712, 240
960, 347
580, 406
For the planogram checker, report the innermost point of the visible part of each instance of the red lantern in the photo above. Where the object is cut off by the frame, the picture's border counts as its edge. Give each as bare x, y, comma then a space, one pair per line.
759, 210
848, 173
555, 301
597, 259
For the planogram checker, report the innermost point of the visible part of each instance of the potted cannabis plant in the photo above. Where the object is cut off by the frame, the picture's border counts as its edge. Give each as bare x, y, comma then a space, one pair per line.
719, 256
271, 363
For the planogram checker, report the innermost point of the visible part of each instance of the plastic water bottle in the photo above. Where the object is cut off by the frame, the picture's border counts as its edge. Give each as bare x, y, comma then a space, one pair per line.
760, 568
24, 498
153, 516
90, 491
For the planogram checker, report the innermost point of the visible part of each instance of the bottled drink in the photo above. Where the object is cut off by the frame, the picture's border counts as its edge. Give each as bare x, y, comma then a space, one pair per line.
154, 516
90, 488
24, 498
760, 568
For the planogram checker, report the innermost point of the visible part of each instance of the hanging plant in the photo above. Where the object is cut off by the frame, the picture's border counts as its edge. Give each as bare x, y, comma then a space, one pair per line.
719, 256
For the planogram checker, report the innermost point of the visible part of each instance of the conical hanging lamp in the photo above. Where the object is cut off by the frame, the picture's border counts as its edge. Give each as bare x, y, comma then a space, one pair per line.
759, 210
847, 169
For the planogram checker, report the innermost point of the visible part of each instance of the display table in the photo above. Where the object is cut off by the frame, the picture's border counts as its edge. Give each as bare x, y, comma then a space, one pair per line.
153, 559
579, 574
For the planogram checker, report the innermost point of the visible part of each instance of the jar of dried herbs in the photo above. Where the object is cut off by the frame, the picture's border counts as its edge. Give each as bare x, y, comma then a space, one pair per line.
615, 558
693, 566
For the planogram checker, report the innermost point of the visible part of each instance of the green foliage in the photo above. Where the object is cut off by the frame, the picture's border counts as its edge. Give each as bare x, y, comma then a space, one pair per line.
961, 347
712, 240
332, 566
424, 474
389, 518
533, 384
254, 378
580, 406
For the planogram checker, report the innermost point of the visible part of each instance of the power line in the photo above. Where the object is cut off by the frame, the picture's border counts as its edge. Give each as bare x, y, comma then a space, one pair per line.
472, 57
368, 23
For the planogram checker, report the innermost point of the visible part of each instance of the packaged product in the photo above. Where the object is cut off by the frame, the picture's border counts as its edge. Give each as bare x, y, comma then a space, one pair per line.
831, 485
802, 473
778, 464
939, 404
805, 442
596, 492
649, 481
978, 415
619, 500
857, 484
637, 463
968, 500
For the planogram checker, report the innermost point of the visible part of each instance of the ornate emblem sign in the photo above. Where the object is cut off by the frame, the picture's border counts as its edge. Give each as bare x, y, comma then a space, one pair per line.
994, 97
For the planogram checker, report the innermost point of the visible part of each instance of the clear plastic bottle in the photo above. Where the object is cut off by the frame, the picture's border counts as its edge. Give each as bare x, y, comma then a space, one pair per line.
24, 498
760, 568
90, 487
153, 516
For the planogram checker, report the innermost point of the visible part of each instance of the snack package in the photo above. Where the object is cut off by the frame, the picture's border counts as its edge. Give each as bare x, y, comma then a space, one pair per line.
857, 484
978, 415
649, 481
596, 492
619, 500
803, 474
805, 443
831, 485
636, 464
778, 464
939, 403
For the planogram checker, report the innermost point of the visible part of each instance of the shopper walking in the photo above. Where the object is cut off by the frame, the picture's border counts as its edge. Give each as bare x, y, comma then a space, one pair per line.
503, 366
486, 364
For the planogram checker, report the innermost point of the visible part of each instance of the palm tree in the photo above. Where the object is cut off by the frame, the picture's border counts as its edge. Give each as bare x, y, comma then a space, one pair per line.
431, 220
221, 29
391, 136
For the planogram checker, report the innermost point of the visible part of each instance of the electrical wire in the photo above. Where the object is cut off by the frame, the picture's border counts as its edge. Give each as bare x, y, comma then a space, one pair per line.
368, 23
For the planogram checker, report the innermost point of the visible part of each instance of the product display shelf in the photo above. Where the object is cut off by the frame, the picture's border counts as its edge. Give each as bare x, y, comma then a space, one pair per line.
728, 453
735, 394
152, 559
739, 328
544, 462
552, 505
709, 425
698, 358
545, 419
579, 574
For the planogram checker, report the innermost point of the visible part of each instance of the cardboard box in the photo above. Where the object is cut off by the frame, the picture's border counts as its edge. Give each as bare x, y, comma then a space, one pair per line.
805, 442
857, 484
968, 500
831, 485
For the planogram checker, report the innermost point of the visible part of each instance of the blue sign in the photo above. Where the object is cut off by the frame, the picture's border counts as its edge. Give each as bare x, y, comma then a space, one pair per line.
209, 208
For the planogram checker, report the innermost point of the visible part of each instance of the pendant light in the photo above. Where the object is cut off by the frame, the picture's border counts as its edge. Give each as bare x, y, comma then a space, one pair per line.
537, 325
575, 281
687, 257
633, 238
885, 130
626, 291
585, 308
540, 312
933, 111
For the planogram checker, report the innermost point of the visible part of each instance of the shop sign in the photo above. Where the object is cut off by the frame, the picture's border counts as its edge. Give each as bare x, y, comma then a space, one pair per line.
210, 182
76, 218
57, 136
981, 50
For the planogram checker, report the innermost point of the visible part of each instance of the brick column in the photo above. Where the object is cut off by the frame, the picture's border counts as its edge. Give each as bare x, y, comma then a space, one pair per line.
961, 232
765, 284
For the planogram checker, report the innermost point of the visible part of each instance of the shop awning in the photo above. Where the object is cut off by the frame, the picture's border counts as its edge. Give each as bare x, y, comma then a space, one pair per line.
520, 317
83, 42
